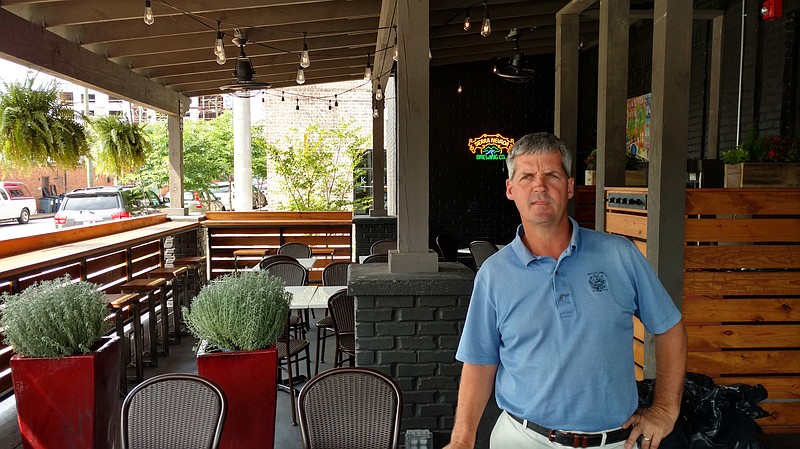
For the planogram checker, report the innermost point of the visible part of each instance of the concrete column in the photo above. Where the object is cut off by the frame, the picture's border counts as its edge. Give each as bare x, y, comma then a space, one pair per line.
612, 93
413, 140
175, 143
672, 50
242, 156
378, 163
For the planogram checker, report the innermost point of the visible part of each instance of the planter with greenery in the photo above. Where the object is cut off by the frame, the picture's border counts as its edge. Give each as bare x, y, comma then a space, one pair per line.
769, 161
238, 319
66, 372
634, 174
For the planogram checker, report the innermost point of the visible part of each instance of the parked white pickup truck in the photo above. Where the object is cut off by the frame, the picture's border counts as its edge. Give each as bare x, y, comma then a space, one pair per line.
16, 202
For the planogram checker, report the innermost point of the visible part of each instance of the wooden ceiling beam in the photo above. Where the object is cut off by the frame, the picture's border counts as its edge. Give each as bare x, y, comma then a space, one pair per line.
23, 42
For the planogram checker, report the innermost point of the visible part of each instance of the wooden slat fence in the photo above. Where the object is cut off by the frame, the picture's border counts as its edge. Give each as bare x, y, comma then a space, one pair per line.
322, 231
741, 293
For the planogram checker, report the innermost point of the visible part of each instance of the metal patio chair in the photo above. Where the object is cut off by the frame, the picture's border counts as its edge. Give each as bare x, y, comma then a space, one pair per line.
295, 249
481, 250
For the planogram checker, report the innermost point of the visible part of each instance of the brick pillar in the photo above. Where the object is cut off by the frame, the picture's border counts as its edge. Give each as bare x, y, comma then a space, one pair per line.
408, 326
371, 229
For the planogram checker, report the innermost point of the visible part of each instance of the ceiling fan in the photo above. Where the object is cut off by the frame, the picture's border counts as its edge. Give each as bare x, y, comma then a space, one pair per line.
516, 69
244, 85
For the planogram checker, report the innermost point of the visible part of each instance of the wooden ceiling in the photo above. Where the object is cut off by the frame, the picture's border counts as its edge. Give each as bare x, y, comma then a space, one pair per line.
176, 51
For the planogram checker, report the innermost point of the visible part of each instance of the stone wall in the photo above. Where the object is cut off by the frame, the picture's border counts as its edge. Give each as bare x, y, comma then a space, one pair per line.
408, 326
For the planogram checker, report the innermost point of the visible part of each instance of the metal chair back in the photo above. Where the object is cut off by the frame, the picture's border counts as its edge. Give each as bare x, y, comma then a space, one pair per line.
376, 258
448, 248
382, 246
274, 258
292, 273
481, 250
335, 273
356, 408
295, 249
173, 410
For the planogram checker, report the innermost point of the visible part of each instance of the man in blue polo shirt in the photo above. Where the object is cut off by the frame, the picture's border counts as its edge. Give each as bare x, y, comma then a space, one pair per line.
550, 326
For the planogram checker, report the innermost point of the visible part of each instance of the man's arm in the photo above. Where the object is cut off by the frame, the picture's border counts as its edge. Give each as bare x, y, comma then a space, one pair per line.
657, 421
476, 387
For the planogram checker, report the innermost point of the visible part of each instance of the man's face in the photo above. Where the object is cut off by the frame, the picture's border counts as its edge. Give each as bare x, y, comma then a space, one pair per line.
540, 188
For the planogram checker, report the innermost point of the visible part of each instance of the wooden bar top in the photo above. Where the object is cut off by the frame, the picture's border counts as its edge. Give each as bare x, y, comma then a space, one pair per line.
81, 250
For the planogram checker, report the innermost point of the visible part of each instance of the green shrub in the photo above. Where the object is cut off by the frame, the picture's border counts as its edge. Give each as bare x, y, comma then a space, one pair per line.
54, 318
244, 312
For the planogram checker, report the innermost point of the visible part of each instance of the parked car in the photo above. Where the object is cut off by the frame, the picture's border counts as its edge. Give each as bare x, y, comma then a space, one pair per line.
98, 204
16, 202
199, 201
223, 191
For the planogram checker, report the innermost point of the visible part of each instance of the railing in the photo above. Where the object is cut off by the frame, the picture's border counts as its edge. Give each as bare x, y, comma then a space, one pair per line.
741, 290
329, 234
108, 254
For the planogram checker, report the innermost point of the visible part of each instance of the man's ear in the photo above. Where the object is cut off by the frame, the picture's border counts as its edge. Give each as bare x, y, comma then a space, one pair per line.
509, 191
571, 187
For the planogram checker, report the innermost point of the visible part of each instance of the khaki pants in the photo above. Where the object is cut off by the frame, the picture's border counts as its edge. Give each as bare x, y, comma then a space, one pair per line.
510, 434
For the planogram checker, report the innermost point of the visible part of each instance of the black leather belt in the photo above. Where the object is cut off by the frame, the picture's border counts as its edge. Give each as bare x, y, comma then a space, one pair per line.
576, 439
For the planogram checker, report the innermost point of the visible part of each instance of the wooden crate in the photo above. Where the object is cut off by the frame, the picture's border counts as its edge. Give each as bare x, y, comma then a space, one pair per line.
753, 174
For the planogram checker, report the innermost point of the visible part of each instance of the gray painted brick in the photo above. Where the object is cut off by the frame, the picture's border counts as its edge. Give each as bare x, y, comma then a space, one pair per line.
449, 341
438, 328
434, 409
375, 343
394, 328
365, 330
453, 314
394, 301
417, 343
436, 356
387, 357
436, 383
415, 314
436, 301
365, 358
416, 370
365, 302
419, 397
419, 423
374, 315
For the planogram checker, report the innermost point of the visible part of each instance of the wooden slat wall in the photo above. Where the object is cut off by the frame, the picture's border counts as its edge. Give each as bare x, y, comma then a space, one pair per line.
741, 293
584, 206
229, 231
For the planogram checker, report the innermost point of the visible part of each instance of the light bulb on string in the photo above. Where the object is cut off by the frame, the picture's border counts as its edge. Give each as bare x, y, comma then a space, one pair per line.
430, 55
336, 100
282, 98
379, 93
486, 27
148, 13
219, 46
297, 108
459, 90
301, 75
375, 113
368, 70
305, 60
467, 23
329, 105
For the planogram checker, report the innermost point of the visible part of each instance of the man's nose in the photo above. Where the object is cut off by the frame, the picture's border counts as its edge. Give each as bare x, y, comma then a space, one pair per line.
539, 183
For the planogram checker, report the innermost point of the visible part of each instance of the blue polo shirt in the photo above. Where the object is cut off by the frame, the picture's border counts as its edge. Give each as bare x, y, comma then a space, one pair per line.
561, 331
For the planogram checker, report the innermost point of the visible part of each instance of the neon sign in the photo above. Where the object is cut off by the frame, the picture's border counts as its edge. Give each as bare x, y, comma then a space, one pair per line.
490, 147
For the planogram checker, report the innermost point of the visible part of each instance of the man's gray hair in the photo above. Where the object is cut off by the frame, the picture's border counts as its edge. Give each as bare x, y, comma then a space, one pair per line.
539, 143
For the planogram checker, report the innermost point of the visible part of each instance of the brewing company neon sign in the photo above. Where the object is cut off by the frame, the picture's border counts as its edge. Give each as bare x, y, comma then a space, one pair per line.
490, 147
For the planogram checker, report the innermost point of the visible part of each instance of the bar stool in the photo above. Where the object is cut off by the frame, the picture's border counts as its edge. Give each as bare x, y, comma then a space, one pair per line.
174, 276
117, 303
148, 288
195, 264
256, 252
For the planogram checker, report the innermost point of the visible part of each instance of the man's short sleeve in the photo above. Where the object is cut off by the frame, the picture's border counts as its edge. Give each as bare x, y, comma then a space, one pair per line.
480, 340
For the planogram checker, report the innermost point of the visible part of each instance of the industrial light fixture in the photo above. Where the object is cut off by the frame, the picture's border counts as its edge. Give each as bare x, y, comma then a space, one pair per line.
486, 27
301, 75
148, 13
219, 46
244, 85
368, 70
379, 93
467, 23
305, 61
516, 69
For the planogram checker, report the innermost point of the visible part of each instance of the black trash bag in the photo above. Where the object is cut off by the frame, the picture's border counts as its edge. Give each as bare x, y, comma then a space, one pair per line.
713, 416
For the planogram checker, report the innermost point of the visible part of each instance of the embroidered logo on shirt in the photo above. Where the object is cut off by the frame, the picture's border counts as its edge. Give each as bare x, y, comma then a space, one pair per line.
597, 280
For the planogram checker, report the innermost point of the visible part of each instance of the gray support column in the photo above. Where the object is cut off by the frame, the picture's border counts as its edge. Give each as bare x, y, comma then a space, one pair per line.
612, 93
566, 102
175, 143
413, 140
378, 163
242, 156
714, 86
672, 49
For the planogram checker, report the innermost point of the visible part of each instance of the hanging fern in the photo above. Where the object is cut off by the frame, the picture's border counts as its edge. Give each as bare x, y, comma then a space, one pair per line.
120, 146
36, 129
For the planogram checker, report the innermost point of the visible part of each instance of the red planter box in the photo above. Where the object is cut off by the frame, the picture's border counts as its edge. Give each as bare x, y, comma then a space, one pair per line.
249, 380
71, 402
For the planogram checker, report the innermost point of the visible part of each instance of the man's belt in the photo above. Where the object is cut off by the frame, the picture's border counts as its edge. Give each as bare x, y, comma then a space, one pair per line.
576, 439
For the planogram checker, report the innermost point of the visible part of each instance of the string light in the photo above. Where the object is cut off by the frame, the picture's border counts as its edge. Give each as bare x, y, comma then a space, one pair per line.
467, 23
430, 55
375, 112
459, 90
301, 75
219, 46
297, 108
305, 61
329, 105
486, 27
148, 13
282, 99
379, 93
368, 70
336, 100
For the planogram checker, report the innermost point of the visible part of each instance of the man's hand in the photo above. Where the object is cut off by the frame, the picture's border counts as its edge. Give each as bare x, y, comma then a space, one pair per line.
653, 424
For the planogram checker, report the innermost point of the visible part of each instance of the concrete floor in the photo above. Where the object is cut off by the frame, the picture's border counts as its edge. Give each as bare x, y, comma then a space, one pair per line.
182, 360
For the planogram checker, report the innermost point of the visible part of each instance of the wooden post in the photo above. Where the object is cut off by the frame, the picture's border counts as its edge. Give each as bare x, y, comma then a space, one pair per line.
566, 102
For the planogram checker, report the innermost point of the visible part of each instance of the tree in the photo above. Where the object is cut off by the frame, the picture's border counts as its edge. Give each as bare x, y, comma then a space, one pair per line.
317, 172
120, 145
207, 153
37, 130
